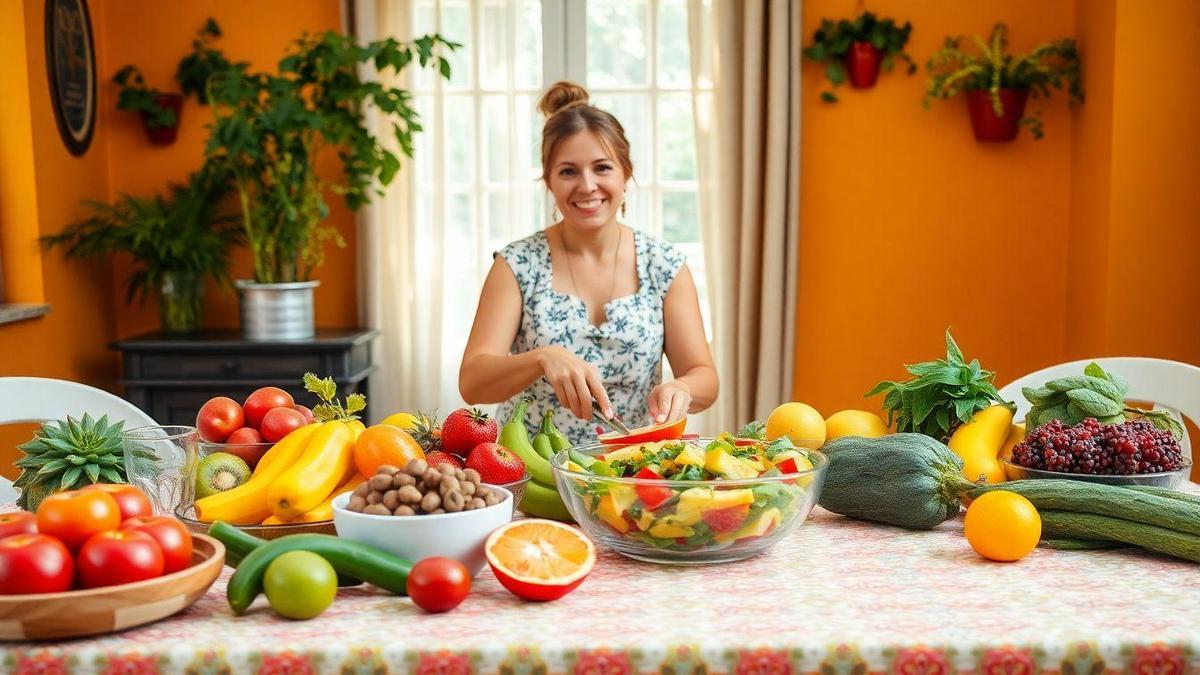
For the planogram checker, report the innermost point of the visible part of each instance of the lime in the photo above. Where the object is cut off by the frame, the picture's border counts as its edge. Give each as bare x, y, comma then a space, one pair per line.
300, 584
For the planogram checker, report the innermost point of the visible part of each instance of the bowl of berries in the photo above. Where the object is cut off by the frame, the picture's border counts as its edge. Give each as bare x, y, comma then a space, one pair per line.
1130, 453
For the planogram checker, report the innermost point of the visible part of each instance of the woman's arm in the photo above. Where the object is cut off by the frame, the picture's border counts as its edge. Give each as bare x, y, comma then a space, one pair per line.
695, 385
489, 374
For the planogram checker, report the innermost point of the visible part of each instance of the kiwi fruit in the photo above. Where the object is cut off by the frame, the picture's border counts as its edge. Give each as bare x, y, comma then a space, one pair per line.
219, 472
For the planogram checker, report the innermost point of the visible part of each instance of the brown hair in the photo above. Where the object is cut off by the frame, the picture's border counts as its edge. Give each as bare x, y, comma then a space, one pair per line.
565, 105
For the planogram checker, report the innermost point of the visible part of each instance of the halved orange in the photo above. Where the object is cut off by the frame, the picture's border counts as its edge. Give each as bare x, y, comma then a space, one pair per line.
538, 559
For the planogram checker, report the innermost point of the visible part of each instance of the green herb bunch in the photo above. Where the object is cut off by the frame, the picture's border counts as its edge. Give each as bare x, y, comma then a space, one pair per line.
138, 97
1096, 394
941, 395
832, 42
1049, 65
330, 408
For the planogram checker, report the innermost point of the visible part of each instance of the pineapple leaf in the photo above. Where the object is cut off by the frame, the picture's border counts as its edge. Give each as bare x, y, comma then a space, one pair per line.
75, 430
93, 472
53, 467
60, 444
33, 461
89, 422
69, 478
109, 460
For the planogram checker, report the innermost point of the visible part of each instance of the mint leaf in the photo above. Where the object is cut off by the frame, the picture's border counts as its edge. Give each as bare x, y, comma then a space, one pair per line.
1093, 369
953, 354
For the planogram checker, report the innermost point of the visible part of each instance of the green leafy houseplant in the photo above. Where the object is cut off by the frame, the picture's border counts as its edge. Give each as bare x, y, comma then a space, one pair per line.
1049, 65
941, 394
269, 128
198, 67
839, 45
176, 240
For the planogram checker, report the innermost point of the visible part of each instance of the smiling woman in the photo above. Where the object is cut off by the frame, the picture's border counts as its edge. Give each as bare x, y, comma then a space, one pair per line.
584, 310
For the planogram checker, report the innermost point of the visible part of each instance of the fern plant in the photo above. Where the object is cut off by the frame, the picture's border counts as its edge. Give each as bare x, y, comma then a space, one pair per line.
1049, 65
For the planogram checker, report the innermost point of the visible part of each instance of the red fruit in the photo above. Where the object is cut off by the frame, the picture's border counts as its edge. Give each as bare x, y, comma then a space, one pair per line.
466, 428
440, 459
131, 501
438, 584
73, 516
17, 522
727, 519
496, 464
34, 563
218, 418
262, 400
172, 537
652, 496
308, 414
658, 432
279, 422
119, 557
246, 443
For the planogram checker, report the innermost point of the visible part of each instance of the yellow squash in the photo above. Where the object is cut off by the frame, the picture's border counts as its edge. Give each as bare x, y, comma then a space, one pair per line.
324, 510
979, 440
325, 463
246, 504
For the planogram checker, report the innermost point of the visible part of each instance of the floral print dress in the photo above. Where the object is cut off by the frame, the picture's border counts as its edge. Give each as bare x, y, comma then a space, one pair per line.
627, 349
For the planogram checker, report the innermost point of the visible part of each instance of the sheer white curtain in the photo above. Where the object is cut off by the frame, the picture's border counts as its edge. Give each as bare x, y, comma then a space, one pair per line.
470, 188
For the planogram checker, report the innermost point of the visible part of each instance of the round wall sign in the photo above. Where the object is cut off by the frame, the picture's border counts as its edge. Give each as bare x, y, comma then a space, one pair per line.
71, 69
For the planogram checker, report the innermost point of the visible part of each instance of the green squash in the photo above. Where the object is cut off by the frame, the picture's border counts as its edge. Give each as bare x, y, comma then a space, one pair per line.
910, 480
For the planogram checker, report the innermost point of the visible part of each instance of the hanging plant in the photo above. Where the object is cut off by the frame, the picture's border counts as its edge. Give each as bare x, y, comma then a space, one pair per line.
858, 49
997, 84
196, 68
159, 110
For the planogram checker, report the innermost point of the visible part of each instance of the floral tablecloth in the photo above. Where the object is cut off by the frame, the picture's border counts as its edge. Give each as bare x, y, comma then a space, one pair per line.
836, 597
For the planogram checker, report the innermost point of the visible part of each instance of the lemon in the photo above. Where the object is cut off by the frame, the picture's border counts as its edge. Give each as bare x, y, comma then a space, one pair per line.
401, 419
800, 422
854, 423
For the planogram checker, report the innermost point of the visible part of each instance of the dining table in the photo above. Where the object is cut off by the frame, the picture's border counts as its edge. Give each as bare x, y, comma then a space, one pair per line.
836, 596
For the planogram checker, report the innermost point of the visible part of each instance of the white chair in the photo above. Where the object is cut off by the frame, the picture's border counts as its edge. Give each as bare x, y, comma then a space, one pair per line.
40, 399
1171, 386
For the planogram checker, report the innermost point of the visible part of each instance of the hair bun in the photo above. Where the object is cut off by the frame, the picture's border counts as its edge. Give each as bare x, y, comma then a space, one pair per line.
560, 96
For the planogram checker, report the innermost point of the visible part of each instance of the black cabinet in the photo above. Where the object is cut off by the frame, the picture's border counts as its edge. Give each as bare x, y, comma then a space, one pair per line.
170, 376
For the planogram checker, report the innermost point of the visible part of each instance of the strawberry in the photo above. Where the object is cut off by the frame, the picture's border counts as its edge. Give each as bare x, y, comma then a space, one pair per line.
466, 428
441, 460
496, 464
727, 519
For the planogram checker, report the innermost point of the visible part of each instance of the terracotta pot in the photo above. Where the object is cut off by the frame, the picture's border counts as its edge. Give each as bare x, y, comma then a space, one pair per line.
164, 135
987, 125
862, 64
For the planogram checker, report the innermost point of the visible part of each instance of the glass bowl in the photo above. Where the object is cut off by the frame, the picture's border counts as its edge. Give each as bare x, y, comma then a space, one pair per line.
186, 513
517, 488
610, 510
1166, 479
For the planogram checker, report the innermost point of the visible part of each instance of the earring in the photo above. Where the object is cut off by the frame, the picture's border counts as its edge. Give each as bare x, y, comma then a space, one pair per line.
623, 202
557, 215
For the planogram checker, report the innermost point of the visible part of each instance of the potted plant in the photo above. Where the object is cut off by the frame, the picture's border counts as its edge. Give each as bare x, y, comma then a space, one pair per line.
997, 84
268, 130
159, 110
858, 49
197, 68
176, 241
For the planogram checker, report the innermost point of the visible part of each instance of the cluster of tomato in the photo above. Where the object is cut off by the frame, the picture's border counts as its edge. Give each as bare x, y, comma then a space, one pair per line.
101, 535
266, 416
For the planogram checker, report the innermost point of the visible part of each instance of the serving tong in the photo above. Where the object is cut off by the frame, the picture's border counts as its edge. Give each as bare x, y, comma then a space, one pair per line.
613, 423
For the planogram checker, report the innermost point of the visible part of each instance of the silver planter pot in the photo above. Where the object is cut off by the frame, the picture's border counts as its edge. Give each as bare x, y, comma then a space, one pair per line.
277, 311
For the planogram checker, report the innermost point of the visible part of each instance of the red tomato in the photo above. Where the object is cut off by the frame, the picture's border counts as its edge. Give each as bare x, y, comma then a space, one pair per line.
308, 414
34, 563
258, 403
74, 516
17, 522
248, 444
172, 537
279, 422
132, 501
218, 418
438, 584
119, 557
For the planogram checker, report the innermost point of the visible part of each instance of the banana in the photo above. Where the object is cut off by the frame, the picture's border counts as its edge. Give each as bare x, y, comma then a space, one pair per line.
979, 441
543, 502
246, 504
315, 474
324, 510
515, 437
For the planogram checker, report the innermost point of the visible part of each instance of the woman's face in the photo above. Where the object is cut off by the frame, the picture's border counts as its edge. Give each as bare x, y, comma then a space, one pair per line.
588, 185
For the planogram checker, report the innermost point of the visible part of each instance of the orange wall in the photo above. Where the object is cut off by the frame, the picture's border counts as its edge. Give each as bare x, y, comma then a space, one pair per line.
908, 225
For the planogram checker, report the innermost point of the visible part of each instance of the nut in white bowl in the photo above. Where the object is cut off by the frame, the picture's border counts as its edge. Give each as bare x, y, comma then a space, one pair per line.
458, 535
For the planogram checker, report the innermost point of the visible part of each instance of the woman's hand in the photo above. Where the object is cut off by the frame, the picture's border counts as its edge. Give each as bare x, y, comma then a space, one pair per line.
576, 382
669, 401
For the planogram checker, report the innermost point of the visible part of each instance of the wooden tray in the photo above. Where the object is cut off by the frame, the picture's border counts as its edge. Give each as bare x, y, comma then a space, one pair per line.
47, 616
186, 514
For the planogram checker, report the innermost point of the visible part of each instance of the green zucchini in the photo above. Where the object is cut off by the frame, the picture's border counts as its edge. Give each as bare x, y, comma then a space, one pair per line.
1167, 492
910, 480
239, 544
1104, 500
360, 561
1066, 544
1068, 524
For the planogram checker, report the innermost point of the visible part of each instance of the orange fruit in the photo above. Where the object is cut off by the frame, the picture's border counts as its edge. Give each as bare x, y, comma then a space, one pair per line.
1002, 526
384, 444
538, 559
800, 422
854, 423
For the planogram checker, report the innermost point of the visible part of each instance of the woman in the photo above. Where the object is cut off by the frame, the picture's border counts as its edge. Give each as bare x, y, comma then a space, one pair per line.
585, 309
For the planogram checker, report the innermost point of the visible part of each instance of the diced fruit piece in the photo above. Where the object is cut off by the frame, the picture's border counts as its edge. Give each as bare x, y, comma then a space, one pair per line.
653, 496
631, 453
611, 514
666, 530
727, 519
495, 463
702, 498
658, 432
792, 461
538, 559
690, 455
644, 521
725, 465
762, 524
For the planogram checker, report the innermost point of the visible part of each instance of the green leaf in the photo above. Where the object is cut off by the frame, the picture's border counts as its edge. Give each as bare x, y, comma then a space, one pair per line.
923, 402
93, 472
325, 389
880, 388
70, 477
836, 72
1093, 369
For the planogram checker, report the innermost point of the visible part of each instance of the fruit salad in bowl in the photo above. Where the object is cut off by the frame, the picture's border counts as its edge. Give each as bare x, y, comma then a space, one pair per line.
685, 501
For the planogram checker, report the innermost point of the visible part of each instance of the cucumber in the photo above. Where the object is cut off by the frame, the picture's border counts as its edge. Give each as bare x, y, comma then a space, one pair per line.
1065, 544
586, 461
1167, 492
348, 557
239, 544
1058, 524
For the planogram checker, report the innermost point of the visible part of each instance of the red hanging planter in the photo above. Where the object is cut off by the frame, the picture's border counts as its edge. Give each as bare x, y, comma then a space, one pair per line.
862, 64
987, 125
164, 135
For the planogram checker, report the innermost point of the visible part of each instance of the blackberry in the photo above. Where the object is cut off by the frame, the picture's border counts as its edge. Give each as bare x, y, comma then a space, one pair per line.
1089, 447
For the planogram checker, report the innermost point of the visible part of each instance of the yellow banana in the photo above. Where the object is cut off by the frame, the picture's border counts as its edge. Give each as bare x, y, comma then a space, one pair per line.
979, 440
272, 520
246, 504
324, 510
358, 427
315, 474
1015, 435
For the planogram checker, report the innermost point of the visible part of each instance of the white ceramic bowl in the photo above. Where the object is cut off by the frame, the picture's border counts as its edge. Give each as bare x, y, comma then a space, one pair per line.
454, 535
